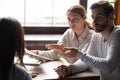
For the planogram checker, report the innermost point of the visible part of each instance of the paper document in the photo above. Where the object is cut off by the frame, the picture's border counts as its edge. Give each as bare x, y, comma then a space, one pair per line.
28, 61
39, 56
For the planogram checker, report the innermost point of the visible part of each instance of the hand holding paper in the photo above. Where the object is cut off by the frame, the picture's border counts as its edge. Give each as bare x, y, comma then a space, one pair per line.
34, 55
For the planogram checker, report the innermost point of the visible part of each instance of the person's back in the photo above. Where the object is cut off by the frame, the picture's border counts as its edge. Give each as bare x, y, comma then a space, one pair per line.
11, 45
17, 73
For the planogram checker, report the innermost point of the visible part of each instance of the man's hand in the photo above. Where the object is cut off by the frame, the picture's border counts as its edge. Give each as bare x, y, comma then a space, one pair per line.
70, 52
64, 51
63, 71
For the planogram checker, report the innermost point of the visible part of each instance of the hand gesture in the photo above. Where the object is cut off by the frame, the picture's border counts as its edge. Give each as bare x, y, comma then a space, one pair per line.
57, 47
70, 52
32, 53
63, 71
64, 51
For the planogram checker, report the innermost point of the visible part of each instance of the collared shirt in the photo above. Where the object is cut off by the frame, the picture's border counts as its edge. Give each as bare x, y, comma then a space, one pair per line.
69, 39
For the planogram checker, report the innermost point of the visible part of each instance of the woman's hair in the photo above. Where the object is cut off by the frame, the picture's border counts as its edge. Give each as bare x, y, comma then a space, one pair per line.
11, 44
81, 11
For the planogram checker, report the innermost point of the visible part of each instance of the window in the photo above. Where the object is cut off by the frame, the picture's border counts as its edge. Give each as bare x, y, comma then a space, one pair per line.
42, 16
12, 8
90, 2
37, 12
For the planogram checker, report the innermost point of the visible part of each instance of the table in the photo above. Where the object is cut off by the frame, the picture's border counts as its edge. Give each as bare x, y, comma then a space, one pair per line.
46, 72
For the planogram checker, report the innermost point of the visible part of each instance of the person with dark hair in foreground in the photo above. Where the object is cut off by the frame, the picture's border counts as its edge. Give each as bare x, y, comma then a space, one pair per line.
11, 45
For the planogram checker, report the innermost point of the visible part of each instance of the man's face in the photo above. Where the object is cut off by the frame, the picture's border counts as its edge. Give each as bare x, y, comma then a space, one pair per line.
100, 21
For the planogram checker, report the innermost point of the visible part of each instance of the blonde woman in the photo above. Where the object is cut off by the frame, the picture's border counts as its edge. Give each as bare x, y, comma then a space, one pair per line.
78, 35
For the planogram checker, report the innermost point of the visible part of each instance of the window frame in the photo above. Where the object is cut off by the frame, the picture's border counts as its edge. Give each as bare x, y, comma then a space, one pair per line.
45, 30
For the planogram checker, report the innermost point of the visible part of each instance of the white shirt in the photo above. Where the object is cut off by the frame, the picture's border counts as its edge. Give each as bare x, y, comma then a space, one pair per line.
70, 40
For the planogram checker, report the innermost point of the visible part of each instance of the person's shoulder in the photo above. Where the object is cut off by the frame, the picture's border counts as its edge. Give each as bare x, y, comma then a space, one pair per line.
116, 31
97, 36
20, 70
90, 31
115, 36
20, 73
117, 28
68, 31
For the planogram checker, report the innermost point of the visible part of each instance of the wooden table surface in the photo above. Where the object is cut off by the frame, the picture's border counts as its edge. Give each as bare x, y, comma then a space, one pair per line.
46, 72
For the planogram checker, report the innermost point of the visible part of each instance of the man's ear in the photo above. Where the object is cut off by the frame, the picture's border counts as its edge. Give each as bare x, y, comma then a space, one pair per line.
111, 16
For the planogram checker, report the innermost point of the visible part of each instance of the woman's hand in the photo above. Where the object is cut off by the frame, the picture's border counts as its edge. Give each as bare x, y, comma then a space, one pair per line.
57, 47
35, 54
63, 71
32, 53
34, 74
64, 51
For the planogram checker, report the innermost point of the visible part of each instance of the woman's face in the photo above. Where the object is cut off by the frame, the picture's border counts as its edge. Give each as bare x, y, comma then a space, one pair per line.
75, 21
